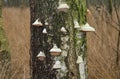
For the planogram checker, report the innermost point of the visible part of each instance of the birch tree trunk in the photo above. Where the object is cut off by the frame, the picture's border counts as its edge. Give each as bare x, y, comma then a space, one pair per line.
72, 66
78, 12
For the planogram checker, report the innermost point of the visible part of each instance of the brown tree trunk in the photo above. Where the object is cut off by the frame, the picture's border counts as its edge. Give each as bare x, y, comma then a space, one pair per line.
40, 69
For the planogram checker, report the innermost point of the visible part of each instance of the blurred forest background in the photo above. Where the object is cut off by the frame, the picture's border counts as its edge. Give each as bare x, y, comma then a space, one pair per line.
15, 38
103, 46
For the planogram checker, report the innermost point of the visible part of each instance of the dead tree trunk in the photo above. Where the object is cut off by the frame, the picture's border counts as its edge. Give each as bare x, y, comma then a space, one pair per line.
40, 69
47, 9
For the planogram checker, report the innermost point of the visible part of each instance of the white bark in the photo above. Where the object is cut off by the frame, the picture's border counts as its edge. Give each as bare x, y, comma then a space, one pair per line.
82, 70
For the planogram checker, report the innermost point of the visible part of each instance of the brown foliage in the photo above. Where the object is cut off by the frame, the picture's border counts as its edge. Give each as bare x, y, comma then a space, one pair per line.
16, 26
102, 44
